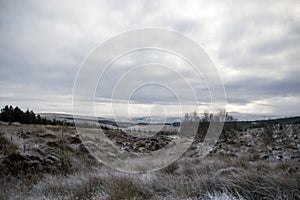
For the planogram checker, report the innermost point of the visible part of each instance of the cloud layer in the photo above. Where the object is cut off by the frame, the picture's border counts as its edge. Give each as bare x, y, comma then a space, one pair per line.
254, 44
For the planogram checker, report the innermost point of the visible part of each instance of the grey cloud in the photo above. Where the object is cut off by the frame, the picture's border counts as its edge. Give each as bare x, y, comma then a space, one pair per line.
252, 89
43, 44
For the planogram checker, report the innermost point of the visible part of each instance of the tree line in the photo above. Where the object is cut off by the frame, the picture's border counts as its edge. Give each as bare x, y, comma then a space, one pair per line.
10, 114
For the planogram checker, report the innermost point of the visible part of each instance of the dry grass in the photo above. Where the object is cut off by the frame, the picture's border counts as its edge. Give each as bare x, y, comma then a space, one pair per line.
125, 187
7, 147
214, 177
171, 168
210, 178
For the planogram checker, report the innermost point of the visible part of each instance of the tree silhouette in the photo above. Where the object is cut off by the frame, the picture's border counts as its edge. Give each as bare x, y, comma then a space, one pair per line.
10, 114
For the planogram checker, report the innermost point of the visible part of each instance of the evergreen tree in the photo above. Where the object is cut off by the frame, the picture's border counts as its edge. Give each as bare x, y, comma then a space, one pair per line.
10, 114
5, 114
38, 119
18, 115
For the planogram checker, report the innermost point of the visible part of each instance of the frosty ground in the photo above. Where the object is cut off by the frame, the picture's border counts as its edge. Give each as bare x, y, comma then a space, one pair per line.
38, 163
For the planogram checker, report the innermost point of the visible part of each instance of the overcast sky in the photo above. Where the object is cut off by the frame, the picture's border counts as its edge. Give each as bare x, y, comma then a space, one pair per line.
255, 46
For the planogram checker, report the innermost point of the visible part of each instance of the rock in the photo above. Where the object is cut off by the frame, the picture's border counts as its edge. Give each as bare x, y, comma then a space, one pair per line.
74, 139
231, 154
83, 149
31, 157
47, 135
127, 148
269, 147
24, 134
41, 150
142, 149
18, 163
53, 144
54, 158
133, 143
243, 143
231, 142
48, 161
265, 156
156, 147
111, 155
278, 157
287, 155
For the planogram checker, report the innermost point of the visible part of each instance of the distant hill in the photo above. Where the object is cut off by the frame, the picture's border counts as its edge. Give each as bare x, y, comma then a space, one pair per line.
244, 120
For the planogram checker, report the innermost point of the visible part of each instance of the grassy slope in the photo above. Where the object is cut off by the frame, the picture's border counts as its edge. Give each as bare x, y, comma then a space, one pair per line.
210, 178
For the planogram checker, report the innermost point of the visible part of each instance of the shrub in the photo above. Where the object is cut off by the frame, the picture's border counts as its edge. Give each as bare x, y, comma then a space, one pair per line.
7, 147
268, 133
171, 168
122, 187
